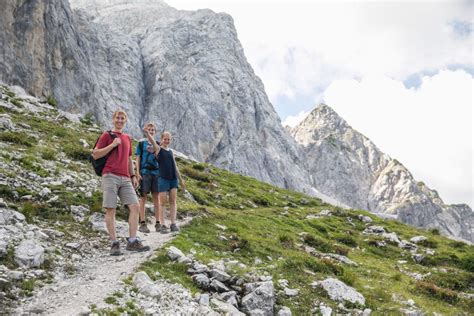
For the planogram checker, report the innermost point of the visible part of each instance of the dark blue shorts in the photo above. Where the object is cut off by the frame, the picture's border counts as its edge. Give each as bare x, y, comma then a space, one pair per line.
149, 184
166, 185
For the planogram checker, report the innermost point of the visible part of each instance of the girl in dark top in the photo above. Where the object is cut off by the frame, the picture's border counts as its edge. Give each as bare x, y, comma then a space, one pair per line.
168, 180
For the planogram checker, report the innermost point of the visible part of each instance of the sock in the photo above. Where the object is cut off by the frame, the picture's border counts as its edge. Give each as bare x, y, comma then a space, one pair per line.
113, 242
142, 222
132, 239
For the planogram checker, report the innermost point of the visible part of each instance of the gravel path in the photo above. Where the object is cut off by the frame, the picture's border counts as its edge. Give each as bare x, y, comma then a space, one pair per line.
101, 276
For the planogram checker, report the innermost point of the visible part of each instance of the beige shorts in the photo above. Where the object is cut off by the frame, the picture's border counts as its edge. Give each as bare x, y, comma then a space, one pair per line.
114, 186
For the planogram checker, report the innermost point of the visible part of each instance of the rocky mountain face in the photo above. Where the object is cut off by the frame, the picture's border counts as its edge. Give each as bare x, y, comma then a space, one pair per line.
185, 70
346, 165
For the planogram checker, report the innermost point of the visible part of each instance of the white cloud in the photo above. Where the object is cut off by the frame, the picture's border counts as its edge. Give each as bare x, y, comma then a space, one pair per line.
429, 129
294, 120
300, 48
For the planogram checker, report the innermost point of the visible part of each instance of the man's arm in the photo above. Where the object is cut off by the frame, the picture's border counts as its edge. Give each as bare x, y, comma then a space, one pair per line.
151, 140
137, 166
98, 153
132, 172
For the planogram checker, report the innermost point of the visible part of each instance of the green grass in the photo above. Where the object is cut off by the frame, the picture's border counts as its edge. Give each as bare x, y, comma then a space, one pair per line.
262, 222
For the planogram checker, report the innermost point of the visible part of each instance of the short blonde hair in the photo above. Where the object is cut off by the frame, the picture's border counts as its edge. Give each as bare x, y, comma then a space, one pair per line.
120, 111
149, 124
165, 134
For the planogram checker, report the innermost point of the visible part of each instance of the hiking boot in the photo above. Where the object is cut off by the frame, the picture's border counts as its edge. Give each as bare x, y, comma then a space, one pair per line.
143, 228
137, 246
163, 229
174, 228
115, 249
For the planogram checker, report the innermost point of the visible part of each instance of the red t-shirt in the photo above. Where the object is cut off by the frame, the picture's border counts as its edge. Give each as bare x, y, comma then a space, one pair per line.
117, 160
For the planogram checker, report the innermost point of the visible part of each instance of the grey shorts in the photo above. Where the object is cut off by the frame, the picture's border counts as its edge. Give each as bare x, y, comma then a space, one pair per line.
149, 184
114, 186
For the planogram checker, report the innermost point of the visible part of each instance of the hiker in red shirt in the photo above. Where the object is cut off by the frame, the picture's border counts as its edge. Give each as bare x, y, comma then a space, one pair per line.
119, 179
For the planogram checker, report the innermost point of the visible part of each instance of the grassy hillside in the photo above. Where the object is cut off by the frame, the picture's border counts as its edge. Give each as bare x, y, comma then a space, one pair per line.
268, 229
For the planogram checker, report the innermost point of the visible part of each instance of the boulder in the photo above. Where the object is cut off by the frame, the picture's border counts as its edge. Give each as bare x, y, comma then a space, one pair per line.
219, 286
201, 280
392, 237
418, 239
291, 292
339, 291
262, 297
174, 253
374, 230
97, 221
220, 275
146, 286
79, 212
8, 217
284, 311
29, 254
225, 308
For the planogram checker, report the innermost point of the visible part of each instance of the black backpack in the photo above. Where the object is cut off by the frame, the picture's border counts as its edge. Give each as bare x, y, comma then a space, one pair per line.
99, 164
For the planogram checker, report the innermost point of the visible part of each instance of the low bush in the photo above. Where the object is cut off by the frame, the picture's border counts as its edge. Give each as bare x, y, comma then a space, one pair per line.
317, 243
76, 152
346, 240
19, 138
434, 291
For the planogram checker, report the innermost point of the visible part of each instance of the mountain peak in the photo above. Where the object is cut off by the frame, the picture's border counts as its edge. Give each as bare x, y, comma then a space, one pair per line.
321, 122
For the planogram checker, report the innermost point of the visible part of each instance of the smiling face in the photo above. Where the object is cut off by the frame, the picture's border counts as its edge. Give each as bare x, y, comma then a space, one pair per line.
151, 129
165, 139
119, 121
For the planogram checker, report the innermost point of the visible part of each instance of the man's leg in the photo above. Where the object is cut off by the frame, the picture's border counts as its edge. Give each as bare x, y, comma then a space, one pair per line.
110, 223
128, 197
143, 227
133, 220
134, 243
157, 206
110, 186
142, 208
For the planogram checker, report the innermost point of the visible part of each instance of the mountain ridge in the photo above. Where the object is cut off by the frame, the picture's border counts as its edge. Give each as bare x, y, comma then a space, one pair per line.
369, 179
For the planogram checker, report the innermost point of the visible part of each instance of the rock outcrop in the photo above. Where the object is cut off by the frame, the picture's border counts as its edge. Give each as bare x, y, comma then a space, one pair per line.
185, 70
347, 166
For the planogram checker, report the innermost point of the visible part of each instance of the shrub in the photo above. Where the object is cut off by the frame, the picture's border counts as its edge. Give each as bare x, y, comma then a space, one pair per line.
262, 200
317, 243
346, 240
341, 250
298, 264
52, 101
88, 119
199, 166
441, 260
467, 262
19, 138
434, 231
48, 154
457, 244
432, 290
195, 174
428, 243
460, 281
348, 277
286, 241
16, 102
7, 192
76, 152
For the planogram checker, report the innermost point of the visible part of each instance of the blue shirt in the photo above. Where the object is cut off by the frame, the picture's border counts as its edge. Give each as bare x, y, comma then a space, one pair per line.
148, 162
